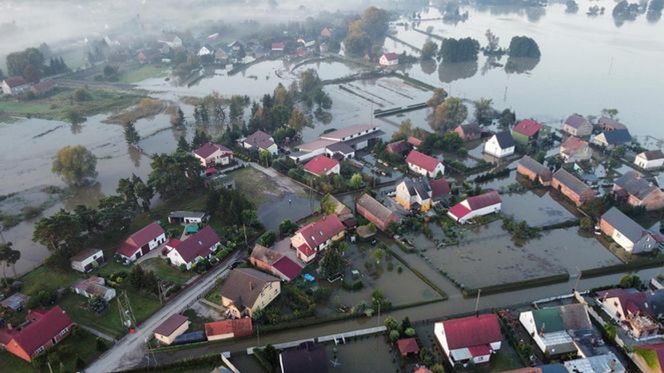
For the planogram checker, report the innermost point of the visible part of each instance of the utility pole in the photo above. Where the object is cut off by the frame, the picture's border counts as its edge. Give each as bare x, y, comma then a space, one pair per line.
477, 302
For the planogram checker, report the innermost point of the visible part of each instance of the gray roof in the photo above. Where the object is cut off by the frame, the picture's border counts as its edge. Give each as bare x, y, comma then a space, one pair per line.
655, 300
653, 154
418, 186
624, 224
571, 181
340, 147
471, 128
575, 317
610, 124
535, 167
244, 285
617, 137
576, 121
634, 184
84, 255
598, 363
376, 208
186, 214
505, 139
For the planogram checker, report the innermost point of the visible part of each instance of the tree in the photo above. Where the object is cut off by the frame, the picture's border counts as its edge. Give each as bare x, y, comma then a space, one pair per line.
136, 277
177, 118
379, 254
587, 224
144, 192
459, 50
332, 262
391, 324
429, 50
81, 95
375, 22
523, 46
631, 281
267, 239
131, 135
439, 96
492, 41
18, 62
611, 113
484, 111
437, 368
297, 120
127, 191
309, 82
200, 138
356, 181
75, 164
74, 117
265, 157
394, 335
287, 227
174, 173
57, 231
183, 145
507, 119
449, 114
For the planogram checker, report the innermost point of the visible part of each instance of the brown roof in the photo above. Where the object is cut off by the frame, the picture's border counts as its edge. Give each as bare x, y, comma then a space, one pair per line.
15, 81
171, 324
84, 255
239, 327
244, 285
653, 154
260, 139
374, 207
264, 254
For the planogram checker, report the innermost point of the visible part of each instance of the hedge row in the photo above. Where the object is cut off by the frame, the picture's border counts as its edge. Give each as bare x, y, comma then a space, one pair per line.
419, 274
622, 267
517, 285
203, 361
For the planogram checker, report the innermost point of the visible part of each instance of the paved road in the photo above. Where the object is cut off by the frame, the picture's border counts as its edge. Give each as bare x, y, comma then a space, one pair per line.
130, 350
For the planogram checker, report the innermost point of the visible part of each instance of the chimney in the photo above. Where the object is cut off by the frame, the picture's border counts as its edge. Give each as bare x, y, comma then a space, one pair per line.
542, 330
251, 286
10, 326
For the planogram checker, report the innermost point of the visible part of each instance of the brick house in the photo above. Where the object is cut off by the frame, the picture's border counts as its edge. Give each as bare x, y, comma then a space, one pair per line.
626, 232
573, 188
375, 212
469, 132
534, 171
636, 191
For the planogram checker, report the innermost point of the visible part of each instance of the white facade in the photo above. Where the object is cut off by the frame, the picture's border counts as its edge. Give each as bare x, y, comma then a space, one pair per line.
87, 264
177, 260
583, 154
461, 355
218, 157
6, 89
440, 168
384, 61
168, 339
492, 147
273, 149
204, 51
153, 244
646, 164
546, 342
584, 130
646, 243
479, 212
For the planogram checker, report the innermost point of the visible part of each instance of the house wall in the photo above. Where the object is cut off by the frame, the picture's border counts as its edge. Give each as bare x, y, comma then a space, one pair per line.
582, 155
584, 130
168, 339
480, 212
382, 225
16, 349
646, 243
260, 264
569, 193
220, 337
417, 169
267, 295
520, 137
439, 333
492, 147
402, 196
528, 321
87, 264
654, 201
529, 174
176, 259
648, 164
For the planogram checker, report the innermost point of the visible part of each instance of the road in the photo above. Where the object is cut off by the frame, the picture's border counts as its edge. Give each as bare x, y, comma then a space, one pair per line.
130, 350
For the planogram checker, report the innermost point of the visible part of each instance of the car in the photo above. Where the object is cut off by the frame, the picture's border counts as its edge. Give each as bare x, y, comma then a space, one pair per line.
236, 264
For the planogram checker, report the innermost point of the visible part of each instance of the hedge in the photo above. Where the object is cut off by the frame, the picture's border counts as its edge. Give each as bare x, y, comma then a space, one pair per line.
419, 274
189, 363
622, 267
517, 285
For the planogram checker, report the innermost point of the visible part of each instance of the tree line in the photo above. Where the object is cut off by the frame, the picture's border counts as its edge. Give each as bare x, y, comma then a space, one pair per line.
31, 65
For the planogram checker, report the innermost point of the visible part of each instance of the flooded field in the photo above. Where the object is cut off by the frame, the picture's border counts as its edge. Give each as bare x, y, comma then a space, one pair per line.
368, 354
537, 209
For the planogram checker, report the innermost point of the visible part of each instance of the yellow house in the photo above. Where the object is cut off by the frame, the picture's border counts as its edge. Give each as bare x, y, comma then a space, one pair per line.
419, 194
174, 326
247, 290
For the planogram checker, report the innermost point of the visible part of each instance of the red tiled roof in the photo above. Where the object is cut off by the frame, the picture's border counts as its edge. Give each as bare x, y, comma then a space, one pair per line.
472, 331
414, 141
209, 148
573, 144
422, 160
630, 299
527, 127
391, 56
198, 244
278, 45
15, 81
259, 139
43, 326
479, 350
484, 200
239, 327
320, 165
306, 250
170, 324
459, 211
408, 346
140, 239
397, 147
439, 187
287, 267
320, 231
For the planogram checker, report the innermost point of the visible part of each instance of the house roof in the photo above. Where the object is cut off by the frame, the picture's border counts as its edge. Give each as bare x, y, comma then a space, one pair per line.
198, 244
244, 285
417, 186
374, 207
571, 181
238, 327
504, 139
15, 81
651, 155
140, 239
43, 86
340, 134
470, 129
624, 224
320, 231
655, 301
616, 137
341, 147
210, 148
259, 139
548, 320
264, 254
527, 127
287, 267
439, 187
43, 325
171, 324
566, 317
633, 183
391, 56
321, 165
536, 167
657, 349
309, 357
607, 123
463, 208
408, 346
631, 300
414, 141
576, 121
472, 331
607, 362
84, 255
278, 45
573, 145
187, 214
14, 301
93, 285
422, 160
397, 147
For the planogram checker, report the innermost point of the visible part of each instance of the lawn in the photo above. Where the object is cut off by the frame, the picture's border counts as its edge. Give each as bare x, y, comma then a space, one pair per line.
214, 295
141, 73
166, 272
256, 184
45, 278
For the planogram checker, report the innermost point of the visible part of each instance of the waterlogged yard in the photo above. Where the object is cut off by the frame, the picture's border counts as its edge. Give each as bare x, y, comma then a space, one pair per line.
537, 207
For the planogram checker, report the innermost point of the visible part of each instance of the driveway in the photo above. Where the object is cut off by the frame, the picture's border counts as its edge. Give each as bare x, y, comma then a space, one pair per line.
130, 350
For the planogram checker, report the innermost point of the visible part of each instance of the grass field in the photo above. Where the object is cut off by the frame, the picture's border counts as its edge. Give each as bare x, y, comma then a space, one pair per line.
141, 73
166, 272
257, 185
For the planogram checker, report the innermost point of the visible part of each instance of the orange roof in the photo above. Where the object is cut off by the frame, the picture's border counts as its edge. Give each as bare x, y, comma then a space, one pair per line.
237, 327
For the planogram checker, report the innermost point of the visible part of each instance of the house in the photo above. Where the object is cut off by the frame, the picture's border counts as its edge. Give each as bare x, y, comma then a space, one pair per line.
500, 145
469, 132
607, 362
534, 171
573, 188
174, 326
14, 302
389, 59
526, 131
94, 287
418, 194
480, 205
611, 139
577, 125
340, 151
278, 46
205, 51
375, 212
326, 33
637, 191
398, 147
221, 56
200, 245
261, 141
174, 43
424, 165
247, 290
14, 85
414, 142
357, 136
187, 217
317, 236
649, 358
469, 339
87, 260
274, 262
344, 213
440, 189
575, 150
43, 87
552, 328
607, 124
631, 309
650, 160
42, 330
307, 358
230, 328
142, 242
323, 166
626, 232
408, 346
211, 154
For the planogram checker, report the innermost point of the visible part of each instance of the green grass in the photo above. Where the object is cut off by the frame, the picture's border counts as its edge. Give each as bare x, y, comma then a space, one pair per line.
649, 356
214, 295
45, 278
141, 73
166, 272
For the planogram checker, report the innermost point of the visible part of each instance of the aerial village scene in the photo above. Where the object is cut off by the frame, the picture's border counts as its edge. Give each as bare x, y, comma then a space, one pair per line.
308, 186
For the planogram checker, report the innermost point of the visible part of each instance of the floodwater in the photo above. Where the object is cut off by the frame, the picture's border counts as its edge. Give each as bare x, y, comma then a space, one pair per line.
537, 209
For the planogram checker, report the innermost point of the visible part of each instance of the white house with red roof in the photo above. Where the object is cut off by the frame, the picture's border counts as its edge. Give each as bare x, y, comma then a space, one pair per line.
389, 59
483, 204
424, 165
317, 236
41, 331
472, 338
211, 154
142, 242
323, 166
14, 85
278, 46
198, 246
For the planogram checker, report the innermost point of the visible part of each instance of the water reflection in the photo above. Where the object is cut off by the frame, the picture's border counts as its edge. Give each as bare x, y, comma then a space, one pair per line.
449, 72
491, 63
428, 66
520, 65
135, 155
75, 128
87, 196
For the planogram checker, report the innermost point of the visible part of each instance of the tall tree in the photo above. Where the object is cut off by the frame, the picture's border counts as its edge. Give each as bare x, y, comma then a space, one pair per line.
131, 135
145, 192
429, 50
174, 173
58, 231
297, 120
12, 257
439, 95
484, 111
75, 164
183, 145
449, 114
